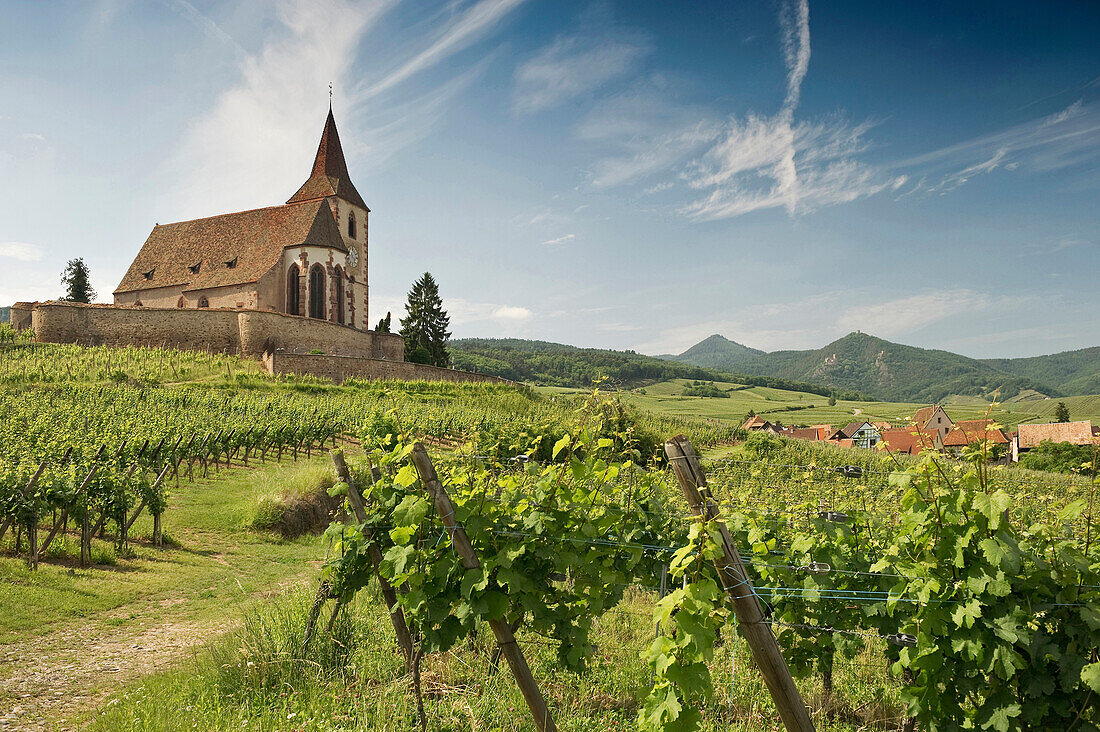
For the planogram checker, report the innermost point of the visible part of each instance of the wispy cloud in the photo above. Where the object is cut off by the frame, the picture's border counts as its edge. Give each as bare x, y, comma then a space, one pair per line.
33, 136
204, 22
1064, 139
640, 134
572, 66
763, 162
904, 315
470, 27
1053, 246
560, 239
225, 161
20, 251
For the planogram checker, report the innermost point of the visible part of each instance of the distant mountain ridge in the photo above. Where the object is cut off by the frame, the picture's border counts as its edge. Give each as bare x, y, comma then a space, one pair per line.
555, 364
896, 372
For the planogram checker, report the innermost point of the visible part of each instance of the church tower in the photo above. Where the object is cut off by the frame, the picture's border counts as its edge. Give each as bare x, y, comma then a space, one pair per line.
329, 180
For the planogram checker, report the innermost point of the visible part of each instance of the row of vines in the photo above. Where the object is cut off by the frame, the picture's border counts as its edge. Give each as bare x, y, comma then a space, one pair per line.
980, 610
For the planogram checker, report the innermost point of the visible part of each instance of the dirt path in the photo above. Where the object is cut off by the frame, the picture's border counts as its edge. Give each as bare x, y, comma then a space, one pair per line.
49, 681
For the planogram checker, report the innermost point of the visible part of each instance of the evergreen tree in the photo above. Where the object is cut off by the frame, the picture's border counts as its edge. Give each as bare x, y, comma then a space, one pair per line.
426, 323
384, 324
1061, 412
78, 288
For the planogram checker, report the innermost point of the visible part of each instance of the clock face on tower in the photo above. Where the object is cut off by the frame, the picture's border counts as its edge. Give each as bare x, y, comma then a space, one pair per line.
353, 256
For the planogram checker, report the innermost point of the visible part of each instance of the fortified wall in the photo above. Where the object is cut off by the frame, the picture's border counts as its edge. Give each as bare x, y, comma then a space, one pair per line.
285, 344
250, 333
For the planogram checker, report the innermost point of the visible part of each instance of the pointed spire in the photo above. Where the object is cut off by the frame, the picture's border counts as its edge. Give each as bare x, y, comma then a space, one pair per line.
329, 176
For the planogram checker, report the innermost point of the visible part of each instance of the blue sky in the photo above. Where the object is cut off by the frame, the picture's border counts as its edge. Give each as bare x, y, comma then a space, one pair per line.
612, 174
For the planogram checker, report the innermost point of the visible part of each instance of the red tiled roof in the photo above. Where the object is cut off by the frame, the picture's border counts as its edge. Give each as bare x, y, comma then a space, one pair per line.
253, 240
909, 440
923, 415
968, 431
805, 433
1075, 433
754, 422
330, 171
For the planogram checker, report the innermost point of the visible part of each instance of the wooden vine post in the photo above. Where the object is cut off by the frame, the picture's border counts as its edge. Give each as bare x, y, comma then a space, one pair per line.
397, 616
756, 631
501, 629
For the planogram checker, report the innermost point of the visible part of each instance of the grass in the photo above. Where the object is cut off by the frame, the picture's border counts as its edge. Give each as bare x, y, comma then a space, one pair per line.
789, 407
254, 679
216, 561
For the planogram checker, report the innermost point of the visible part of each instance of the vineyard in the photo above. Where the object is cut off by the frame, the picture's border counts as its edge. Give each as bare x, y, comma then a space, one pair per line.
484, 526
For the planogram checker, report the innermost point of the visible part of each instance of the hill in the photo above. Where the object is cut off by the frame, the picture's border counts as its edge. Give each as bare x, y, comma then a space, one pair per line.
5, 314
889, 371
1070, 372
555, 364
715, 352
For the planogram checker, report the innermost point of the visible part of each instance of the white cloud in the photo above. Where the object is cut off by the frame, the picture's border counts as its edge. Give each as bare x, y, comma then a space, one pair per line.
20, 251
1067, 138
511, 312
35, 136
560, 239
904, 315
459, 35
573, 66
226, 160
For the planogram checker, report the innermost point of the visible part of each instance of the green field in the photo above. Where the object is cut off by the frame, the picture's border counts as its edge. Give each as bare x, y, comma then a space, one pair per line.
801, 408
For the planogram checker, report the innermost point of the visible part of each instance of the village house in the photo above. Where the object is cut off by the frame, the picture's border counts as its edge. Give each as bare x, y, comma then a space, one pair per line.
911, 441
934, 419
862, 434
969, 431
1029, 436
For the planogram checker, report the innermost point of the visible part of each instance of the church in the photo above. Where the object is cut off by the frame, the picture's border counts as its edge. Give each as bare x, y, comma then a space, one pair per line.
307, 257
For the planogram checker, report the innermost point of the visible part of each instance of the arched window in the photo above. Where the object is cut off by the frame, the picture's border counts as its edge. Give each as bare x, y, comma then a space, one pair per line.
203, 302
293, 290
317, 292
180, 302
339, 287
351, 225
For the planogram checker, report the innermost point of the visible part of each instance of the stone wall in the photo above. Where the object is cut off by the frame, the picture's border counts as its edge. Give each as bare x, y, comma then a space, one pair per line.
21, 313
339, 368
229, 330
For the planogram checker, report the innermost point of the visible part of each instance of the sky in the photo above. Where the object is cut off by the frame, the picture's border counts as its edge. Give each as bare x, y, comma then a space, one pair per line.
628, 175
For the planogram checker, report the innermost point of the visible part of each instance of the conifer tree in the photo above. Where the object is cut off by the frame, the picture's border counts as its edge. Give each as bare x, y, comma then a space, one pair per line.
78, 288
425, 327
384, 324
1061, 412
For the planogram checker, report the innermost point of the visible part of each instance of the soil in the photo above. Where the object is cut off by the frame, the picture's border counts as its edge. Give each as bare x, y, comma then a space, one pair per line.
48, 682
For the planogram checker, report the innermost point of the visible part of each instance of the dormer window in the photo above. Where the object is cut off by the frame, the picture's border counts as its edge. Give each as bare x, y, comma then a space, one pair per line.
195, 267
231, 263
149, 275
351, 226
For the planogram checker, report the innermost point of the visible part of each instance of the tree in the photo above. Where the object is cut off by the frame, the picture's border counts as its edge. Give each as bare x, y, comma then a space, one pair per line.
78, 288
426, 322
832, 401
1061, 412
384, 324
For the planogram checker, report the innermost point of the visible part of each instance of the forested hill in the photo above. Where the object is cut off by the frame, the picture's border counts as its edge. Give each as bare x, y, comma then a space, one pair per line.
554, 364
890, 371
1070, 372
5, 314
715, 352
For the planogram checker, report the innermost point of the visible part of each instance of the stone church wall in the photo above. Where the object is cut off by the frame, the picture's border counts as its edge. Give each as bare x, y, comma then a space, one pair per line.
229, 330
339, 368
